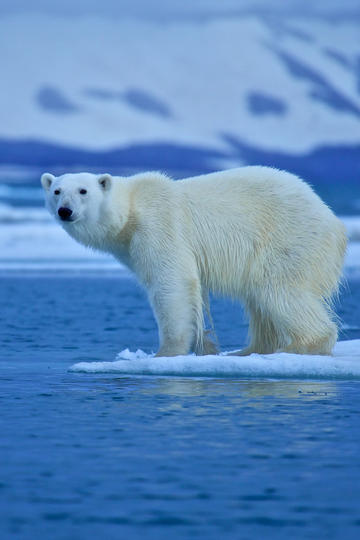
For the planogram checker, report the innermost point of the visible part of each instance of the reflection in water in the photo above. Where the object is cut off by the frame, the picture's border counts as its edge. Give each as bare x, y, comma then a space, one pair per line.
234, 389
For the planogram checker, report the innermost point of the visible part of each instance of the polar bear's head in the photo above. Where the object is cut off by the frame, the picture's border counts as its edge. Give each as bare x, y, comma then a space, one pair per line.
75, 197
81, 203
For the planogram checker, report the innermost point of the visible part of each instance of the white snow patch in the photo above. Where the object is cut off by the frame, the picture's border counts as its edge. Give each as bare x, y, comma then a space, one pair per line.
345, 364
352, 224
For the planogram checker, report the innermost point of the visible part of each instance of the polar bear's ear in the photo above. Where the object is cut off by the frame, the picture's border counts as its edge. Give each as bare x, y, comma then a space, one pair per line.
105, 181
46, 180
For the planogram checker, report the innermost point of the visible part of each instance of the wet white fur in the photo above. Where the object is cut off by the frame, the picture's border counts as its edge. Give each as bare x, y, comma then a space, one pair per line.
255, 234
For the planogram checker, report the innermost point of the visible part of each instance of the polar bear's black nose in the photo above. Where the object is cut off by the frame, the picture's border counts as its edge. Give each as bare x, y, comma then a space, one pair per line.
64, 213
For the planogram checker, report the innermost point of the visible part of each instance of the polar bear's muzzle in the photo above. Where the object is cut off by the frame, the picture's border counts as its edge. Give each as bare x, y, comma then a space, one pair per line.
65, 213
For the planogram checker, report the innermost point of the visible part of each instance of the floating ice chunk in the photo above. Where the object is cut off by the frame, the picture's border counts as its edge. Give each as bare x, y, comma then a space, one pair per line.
126, 354
345, 364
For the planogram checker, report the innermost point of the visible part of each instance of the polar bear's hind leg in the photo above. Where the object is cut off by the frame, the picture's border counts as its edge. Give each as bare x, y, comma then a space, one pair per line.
296, 322
263, 333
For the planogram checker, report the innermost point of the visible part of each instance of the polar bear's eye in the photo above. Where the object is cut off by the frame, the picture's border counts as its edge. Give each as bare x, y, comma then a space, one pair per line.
57, 192
83, 191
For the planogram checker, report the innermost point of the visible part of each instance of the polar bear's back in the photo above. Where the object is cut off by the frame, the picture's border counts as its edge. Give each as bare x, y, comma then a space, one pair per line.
263, 185
263, 218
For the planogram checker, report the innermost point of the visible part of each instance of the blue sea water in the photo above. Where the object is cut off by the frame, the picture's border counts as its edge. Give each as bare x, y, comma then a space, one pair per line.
109, 456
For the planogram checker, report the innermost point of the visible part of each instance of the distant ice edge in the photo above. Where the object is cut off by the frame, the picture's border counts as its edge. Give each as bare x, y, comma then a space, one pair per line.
344, 364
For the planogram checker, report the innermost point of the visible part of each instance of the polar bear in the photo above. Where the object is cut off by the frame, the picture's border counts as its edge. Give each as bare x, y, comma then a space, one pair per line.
255, 234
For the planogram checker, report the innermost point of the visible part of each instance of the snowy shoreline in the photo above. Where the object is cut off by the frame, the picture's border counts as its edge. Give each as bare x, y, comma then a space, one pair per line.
31, 241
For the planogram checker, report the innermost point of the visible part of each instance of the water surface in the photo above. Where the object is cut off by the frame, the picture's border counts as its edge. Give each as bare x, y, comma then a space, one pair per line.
95, 455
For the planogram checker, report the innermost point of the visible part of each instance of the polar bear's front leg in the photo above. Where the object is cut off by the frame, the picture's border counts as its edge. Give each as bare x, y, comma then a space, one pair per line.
178, 311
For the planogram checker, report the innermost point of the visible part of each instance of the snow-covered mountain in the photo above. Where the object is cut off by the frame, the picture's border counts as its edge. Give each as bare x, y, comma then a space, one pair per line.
182, 86
204, 90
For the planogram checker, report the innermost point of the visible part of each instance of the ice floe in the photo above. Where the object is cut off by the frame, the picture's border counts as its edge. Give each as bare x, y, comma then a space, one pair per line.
344, 364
